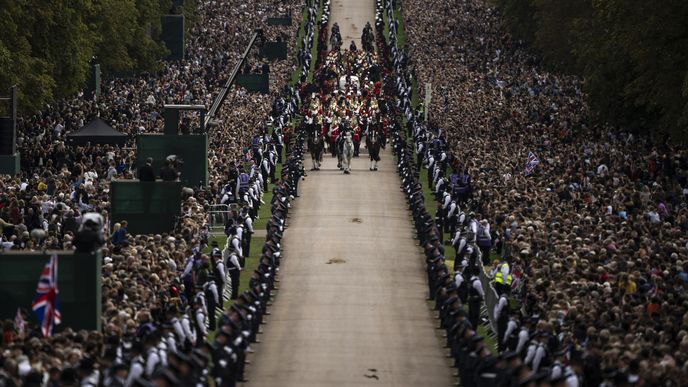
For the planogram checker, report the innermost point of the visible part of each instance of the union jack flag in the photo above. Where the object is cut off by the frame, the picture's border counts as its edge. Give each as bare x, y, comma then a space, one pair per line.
531, 164
46, 304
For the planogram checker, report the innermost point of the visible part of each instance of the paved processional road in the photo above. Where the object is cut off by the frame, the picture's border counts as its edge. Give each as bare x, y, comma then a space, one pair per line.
352, 16
350, 310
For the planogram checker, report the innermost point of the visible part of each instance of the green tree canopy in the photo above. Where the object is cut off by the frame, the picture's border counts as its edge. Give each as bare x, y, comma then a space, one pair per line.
632, 55
46, 47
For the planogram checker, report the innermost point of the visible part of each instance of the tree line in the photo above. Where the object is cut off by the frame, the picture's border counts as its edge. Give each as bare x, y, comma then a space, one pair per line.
46, 47
631, 54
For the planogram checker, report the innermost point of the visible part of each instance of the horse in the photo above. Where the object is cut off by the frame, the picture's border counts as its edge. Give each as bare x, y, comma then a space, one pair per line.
367, 38
335, 38
316, 146
347, 152
373, 143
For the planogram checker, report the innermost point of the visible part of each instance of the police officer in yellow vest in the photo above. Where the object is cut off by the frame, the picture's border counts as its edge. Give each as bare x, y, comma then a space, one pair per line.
502, 278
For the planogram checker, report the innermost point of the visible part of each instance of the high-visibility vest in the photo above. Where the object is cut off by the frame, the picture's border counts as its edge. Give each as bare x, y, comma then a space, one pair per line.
498, 276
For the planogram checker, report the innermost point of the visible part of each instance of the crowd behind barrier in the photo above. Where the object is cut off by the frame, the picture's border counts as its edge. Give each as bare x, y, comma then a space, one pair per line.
587, 223
161, 294
594, 239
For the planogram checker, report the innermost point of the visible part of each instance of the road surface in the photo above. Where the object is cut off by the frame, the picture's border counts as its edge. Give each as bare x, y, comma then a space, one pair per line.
352, 16
351, 296
351, 307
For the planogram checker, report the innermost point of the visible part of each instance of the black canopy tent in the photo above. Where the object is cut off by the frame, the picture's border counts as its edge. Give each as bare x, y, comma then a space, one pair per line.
97, 132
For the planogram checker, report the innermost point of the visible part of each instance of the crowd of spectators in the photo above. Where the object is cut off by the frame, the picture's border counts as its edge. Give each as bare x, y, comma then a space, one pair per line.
595, 236
146, 292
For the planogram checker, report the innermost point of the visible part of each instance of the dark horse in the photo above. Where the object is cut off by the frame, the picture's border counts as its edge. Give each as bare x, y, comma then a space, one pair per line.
316, 145
335, 38
374, 143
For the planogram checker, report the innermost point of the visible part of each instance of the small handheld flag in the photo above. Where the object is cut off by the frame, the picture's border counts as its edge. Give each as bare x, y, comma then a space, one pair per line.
19, 323
531, 164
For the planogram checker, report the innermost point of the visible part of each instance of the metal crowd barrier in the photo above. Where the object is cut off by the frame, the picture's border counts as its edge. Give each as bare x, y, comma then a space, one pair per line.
218, 214
491, 296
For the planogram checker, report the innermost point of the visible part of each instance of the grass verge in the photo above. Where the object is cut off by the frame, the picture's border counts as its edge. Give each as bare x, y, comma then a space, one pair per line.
251, 265
314, 50
428, 196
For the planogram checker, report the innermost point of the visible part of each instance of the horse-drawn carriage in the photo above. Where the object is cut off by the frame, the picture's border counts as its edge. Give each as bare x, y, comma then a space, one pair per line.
346, 110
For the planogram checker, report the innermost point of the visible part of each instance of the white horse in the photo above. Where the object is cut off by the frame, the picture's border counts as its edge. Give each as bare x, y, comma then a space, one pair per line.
347, 152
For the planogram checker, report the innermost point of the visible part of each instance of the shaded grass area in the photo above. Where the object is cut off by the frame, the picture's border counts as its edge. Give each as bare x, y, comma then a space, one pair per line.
385, 25
257, 243
299, 37
251, 265
449, 252
431, 206
264, 212
401, 29
491, 343
316, 37
314, 50
401, 43
415, 94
